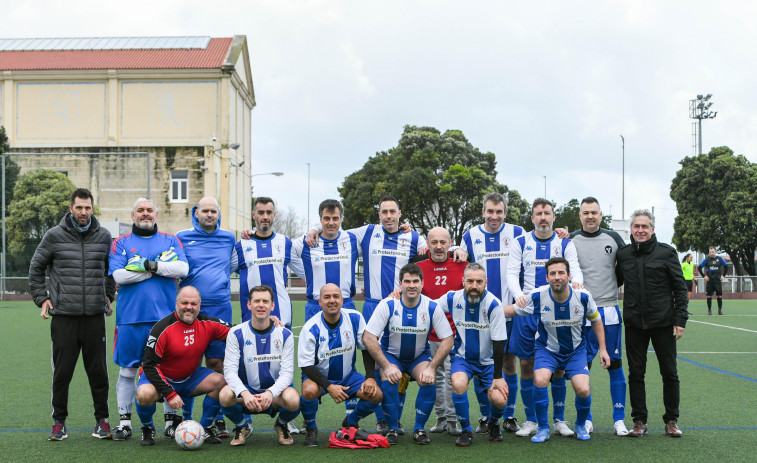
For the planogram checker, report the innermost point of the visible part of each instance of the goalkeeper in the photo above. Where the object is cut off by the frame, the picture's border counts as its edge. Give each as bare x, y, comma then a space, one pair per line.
145, 263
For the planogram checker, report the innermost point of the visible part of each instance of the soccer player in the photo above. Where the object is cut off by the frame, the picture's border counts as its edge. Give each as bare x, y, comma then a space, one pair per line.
597, 250
528, 254
443, 274
145, 263
489, 245
713, 268
171, 368
561, 312
479, 350
264, 259
332, 260
259, 368
404, 325
326, 354
208, 249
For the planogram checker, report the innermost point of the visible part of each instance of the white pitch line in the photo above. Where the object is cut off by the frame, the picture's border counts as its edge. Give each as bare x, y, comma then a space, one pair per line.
724, 326
752, 353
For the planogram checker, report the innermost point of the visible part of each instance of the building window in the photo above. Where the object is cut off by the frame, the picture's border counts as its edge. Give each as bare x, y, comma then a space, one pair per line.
179, 186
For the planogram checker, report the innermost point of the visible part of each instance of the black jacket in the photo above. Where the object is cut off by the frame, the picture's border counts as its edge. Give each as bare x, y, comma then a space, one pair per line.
78, 263
654, 295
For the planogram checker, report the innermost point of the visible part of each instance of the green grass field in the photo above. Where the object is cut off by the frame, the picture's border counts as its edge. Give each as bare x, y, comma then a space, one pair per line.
717, 366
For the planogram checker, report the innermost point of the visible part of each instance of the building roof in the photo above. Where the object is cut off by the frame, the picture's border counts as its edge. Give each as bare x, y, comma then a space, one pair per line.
114, 53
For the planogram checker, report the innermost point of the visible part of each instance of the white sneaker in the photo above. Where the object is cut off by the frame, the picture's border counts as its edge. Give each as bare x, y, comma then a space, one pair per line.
589, 426
292, 428
453, 428
527, 428
620, 428
440, 426
561, 427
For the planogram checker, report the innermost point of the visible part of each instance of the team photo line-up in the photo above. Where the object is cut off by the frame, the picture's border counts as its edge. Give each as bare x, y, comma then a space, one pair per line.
513, 311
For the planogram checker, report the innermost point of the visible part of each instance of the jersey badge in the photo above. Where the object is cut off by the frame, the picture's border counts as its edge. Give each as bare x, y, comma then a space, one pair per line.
346, 335
575, 309
277, 344
344, 246
375, 251
132, 250
608, 249
423, 318
278, 248
191, 243
403, 242
556, 250
506, 240
151, 341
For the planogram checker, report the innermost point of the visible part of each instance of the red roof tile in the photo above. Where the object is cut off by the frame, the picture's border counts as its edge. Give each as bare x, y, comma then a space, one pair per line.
208, 58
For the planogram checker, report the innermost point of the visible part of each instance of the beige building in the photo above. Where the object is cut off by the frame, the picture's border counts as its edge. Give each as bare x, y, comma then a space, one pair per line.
126, 115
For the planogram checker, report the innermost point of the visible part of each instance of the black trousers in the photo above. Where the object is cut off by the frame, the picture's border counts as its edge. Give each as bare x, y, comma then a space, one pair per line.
664, 344
69, 335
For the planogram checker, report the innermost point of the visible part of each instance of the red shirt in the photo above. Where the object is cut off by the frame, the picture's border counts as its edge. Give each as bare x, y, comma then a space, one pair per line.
439, 278
174, 349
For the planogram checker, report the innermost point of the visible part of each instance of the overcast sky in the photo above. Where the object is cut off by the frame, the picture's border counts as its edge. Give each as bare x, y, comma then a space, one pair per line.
547, 86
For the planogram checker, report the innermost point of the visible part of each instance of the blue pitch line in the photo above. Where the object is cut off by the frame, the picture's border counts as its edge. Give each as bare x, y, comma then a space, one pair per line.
713, 368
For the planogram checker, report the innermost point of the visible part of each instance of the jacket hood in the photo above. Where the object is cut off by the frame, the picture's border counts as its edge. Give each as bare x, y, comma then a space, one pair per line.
196, 223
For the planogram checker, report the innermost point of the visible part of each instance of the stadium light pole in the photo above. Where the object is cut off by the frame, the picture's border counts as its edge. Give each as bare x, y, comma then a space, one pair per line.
623, 180
309, 194
699, 109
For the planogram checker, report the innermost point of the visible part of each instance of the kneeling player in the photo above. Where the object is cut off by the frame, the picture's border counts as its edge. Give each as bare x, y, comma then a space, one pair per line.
264, 354
405, 325
561, 312
170, 369
479, 351
326, 355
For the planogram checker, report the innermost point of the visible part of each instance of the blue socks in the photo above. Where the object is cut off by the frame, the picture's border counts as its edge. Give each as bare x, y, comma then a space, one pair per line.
186, 410
559, 392
363, 409
527, 396
145, 414
583, 405
461, 409
210, 408
512, 398
618, 393
234, 413
424, 403
391, 403
541, 404
309, 409
483, 399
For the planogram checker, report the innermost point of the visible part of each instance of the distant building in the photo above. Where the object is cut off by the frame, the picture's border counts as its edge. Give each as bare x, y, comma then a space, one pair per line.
185, 101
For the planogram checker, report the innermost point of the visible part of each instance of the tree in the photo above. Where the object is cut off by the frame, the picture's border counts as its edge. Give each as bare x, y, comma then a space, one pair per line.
439, 180
41, 199
12, 169
569, 216
716, 198
288, 223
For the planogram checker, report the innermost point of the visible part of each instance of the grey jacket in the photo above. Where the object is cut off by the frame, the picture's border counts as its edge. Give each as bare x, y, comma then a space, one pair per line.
78, 263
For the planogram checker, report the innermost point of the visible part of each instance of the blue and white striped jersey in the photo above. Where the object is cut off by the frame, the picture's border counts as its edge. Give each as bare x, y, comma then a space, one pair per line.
384, 254
476, 325
528, 255
265, 262
260, 361
492, 250
560, 326
332, 351
405, 329
330, 261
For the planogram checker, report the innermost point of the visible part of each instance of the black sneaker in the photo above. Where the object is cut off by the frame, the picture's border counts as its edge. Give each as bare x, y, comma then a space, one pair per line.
102, 429
210, 436
495, 435
221, 430
482, 426
511, 425
382, 428
148, 435
420, 437
311, 437
173, 422
464, 439
59, 431
347, 424
400, 429
121, 433
392, 437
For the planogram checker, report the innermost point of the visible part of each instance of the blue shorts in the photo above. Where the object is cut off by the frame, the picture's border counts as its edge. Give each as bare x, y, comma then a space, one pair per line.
613, 342
369, 306
216, 350
183, 387
354, 381
573, 363
312, 307
523, 334
405, 367
485, 373
129, 343
221, 311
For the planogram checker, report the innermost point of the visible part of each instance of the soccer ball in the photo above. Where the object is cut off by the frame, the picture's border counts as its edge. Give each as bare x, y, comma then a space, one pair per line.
189, 435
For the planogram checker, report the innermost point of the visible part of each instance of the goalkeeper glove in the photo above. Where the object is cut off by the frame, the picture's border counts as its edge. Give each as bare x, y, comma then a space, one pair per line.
140, 264
168, 256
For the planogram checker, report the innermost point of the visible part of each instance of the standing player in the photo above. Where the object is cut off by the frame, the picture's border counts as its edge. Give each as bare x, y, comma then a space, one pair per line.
479, 350
326, 354
332, 260
443, 274
264, 258
171, 368
561, 312
404, 326
597, 250
713, 268
208, 249
489, 245
526, 272
146, 264
259, 368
